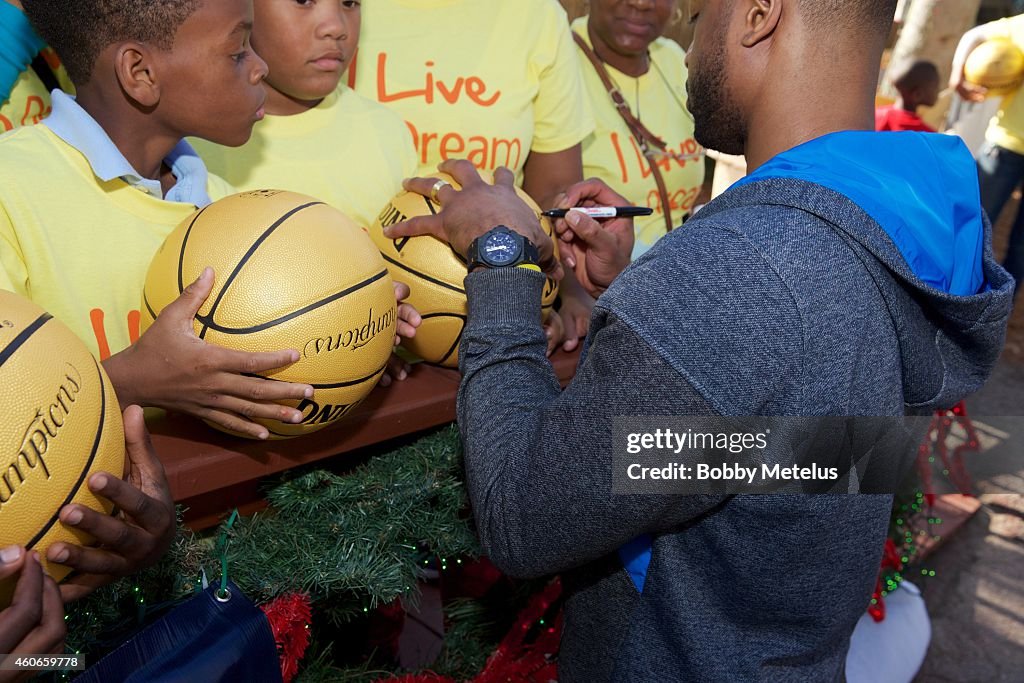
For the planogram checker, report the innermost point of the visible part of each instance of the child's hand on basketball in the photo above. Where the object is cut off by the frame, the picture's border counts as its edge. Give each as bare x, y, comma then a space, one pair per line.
470, 212
137, 536
596, 251
576, 309
554, 330
408, 317
34, 622
408, 320
170, 367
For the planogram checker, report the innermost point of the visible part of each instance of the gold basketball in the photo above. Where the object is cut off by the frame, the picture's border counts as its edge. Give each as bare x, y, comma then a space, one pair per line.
435, 274
61, 423
291, 273
997, 65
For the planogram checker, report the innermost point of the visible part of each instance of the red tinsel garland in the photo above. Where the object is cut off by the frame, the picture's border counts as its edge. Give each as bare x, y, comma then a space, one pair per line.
516, 660
890, 560
935, 442
289, 615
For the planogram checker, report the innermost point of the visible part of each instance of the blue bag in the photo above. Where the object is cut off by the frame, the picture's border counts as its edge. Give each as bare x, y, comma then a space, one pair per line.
205, 639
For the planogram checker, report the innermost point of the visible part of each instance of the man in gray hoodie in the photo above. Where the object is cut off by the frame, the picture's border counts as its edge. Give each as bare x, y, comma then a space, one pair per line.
850, 275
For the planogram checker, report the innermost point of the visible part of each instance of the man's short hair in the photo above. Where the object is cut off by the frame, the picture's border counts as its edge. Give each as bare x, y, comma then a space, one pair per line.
873, 16
81, 29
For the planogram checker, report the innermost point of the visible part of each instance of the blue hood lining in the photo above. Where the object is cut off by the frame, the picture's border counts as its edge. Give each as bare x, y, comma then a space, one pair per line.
921, 188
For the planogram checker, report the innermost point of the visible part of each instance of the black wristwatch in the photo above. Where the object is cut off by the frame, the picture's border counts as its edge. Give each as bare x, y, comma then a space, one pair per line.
501, 247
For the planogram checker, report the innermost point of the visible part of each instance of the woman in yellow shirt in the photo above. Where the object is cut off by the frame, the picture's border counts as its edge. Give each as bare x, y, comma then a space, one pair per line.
621, 41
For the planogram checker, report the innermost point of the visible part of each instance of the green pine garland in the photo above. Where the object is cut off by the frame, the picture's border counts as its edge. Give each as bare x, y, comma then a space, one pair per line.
352, 541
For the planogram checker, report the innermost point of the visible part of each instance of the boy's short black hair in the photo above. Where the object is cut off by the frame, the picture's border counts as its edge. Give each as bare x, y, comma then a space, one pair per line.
79, 30
874, 16
911, 74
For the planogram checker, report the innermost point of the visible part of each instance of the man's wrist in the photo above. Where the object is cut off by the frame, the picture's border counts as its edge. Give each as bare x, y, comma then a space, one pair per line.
505, 296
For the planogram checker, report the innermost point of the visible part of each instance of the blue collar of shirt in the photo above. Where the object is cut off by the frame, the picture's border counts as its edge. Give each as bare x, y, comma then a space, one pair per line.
75, 126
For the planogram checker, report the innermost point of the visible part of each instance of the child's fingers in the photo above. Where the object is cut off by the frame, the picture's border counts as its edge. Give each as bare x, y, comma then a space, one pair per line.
259, 390
185, 307
259, 410
149, 512
408, 314
397, 368
402, 291
112, 531
26, 607
89, 560
554, 330
12, 558
233, 423
48, 637
247, 363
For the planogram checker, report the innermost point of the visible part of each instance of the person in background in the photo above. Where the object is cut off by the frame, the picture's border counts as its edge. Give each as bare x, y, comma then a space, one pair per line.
918, 85
646, 153
506, 92
1001, 160
29, 70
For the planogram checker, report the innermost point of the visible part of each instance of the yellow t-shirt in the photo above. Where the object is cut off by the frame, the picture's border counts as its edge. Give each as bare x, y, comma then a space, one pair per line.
485, 81
1007, 128
349, 152
78, 247
29, 102
611, 153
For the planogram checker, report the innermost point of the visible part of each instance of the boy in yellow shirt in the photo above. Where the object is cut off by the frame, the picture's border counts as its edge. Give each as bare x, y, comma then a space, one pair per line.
147, 75
320, 137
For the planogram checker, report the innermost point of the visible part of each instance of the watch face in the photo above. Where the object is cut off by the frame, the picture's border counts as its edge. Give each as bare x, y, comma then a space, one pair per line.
501, 248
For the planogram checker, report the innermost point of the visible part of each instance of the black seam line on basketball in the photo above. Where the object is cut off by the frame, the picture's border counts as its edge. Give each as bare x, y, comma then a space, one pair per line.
245, 259
428, 316
421, 275
149, 307
455, 346
337, 385
181, 252
23, 336
85, 468
430, 205
208, 322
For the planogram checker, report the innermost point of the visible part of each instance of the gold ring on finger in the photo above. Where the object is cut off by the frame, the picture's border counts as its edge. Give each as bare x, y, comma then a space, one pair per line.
436, 189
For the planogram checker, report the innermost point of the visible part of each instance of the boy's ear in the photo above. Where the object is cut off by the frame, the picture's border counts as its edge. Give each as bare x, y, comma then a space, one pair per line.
761, 20
136, 71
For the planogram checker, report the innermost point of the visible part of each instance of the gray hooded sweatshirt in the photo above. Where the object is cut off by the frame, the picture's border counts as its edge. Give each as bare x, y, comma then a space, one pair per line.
850, 276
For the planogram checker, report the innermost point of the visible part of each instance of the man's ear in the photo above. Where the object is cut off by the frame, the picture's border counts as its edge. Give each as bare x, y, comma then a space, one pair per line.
761, 21
136, 71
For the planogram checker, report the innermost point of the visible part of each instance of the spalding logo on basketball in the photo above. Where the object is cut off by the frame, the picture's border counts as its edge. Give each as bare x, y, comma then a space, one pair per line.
291, 273
61, 422
997, 65
435, 274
